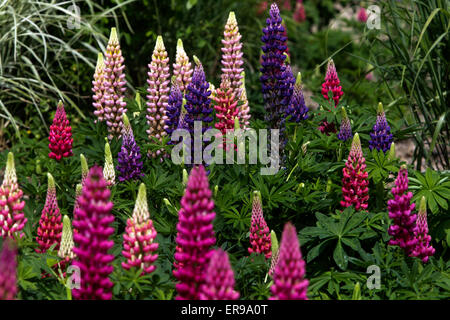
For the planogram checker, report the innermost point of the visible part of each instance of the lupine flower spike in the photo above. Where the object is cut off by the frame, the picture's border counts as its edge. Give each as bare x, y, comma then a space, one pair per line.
129, 158
275, 252
12, 217
332, 83
244, 109
138, 239
345, 131
195, 235
66, 248
158, 93
182, 68
299, 14
84, 168
219, 282
108, 170
355, 190
98, 88
289, 281
381, 137
297, 108
8, 271
362, 15
93, 221
60, 139
174, 107
423, 249
115, 86
401, 209
50, 225
259, 231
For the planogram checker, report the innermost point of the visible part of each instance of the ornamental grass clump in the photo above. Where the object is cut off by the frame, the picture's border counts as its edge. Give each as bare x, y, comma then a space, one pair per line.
60, 138
130, 165
381, 137
260, 239
8, 270
423, 249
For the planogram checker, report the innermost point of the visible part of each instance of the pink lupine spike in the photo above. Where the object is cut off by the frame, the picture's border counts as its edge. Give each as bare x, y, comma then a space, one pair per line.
138, 239
8, 270
182, 68
332, 83
98, 88
12, 217
158, 94
195, 235
289, 281
219, 282
355, 190
259, 231
423, 249
60, 138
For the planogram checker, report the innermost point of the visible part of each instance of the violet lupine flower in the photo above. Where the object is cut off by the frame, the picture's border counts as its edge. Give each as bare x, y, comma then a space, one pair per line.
195, 235
355, 184
381, 137
182, 68
244, 109
93, 221
138, 239
8, 270
50, 225
423, 249
60, 138
332, 83
115, 86
232, 55
98, 88
108, 170
12, 217
345, 131
400, 210
129, 158
289, 281
158, 94
259, 231
219, 282
297, 108
173, 108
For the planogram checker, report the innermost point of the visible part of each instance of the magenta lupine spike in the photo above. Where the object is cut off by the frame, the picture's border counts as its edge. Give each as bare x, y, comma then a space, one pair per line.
138, 239
50, 225
332, 83
232, 55
182, 68
60, 137
98, 88
259, 231
423, 249
158, 94
12, 217
115, 86
93, 220
8, 271
355, 184
219, 282
195, 235
400, 210
289, 281
244, 109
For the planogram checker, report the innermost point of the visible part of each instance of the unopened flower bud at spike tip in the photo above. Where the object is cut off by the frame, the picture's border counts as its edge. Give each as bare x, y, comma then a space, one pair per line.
108, 170
84, 168
423, 205
185, 177
67, 244
298, 81
391, 154
126, 122
196, 60
10, 172
113, 35
51, 181
180, 44
100, 63
380, 108
274, 241
231, 18
159, 43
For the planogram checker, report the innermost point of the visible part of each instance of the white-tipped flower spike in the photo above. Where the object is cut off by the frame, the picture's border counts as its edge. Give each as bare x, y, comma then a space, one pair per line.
98, 88
244, 109
84, 169
185, 177
182, 68
275, 252
108, 170
78, 190
391, 154
67, 244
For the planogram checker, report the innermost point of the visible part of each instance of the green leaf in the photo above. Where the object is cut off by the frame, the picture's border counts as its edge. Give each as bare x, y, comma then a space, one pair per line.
340, 257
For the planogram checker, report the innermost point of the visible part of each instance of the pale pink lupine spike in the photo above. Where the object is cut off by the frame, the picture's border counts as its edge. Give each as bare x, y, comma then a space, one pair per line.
182, 68
98, 88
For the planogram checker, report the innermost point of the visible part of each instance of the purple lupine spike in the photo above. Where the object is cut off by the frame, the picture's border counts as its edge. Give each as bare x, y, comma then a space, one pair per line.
115, 86
8, 270
259, 231
182, 68
400, 210
173, 108
423, 249
158, 94
98, 88
219, 282
93, 220
195, 235
297, 108
345, 131
232, 55
129, 160
289, 281
381, 137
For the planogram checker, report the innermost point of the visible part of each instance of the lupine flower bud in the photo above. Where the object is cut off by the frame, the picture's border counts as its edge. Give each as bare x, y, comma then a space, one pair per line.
98, 88
297, 108
355, 190
381, 138
400, 210
8, 271
138, 239
299, 13
84, 168
12, 217
275, 252
391, 154
185, 177
60, 135
108, 170
93, 221
66, 248
195, 235
259, 231
226, 107
289, 281
345, 132
332, 84
115, 86
423, 249
50, 225
129, 158
182, 68
244, 109
174, 106
78, 190
219, 281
